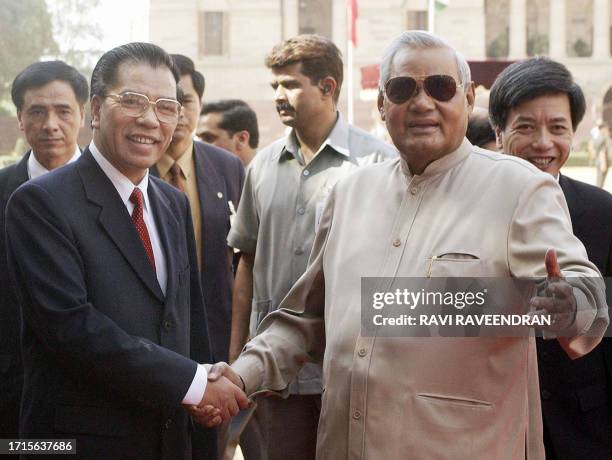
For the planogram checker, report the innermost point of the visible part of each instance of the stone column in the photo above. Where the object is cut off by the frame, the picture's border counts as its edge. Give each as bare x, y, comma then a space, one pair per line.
557, 29
601, 29
518, 29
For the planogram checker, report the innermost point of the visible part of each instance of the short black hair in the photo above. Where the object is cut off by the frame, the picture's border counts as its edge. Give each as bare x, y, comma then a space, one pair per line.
42, 73
186, 66
479, 130
237, 116
529, 79
105, 71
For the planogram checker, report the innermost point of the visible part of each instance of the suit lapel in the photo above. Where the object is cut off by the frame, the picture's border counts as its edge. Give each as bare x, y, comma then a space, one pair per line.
116, 221
169, 233
572, 197
19, 176
213, 196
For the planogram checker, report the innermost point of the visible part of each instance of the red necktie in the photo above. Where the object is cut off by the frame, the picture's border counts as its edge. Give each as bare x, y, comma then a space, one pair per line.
141, 227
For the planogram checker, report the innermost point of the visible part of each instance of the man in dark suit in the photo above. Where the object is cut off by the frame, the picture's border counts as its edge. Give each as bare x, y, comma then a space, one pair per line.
103, 261
49, 98
212, 179
535, 107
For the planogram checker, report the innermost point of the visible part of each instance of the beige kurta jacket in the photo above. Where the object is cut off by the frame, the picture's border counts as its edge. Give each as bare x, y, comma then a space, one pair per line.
423, 397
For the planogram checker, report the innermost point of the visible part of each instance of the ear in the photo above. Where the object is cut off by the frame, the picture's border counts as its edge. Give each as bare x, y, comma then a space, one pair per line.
96, 104
19, 120
498, 139
242, 138
82, 112
470, 95
328, 86
381, 105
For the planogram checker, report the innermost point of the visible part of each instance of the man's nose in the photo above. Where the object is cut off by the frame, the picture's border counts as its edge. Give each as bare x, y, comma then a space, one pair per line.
279, 94
51, 121
421, 101
543, 139
149, 118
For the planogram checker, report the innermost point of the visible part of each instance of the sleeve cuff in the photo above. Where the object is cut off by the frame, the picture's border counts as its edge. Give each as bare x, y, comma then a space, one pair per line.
198, 387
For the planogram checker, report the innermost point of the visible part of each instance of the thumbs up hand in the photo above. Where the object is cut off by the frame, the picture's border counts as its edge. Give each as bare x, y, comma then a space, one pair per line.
557, 298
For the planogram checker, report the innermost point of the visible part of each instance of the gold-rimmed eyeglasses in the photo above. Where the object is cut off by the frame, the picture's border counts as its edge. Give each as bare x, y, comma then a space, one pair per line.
136, 105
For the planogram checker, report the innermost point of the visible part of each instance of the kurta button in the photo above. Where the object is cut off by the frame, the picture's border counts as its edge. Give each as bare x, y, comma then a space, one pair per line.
219, 195
168, 423
301, 211
546, 394
306, 173
298, 251
362, 352
397, 243
167, 325
357, 415
414, 190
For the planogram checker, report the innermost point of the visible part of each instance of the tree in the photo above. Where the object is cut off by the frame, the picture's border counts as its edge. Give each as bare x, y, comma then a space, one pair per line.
26, 35
76, 32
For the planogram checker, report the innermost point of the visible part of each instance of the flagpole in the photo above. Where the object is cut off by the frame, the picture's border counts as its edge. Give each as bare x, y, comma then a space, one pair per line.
431, 10
350, 81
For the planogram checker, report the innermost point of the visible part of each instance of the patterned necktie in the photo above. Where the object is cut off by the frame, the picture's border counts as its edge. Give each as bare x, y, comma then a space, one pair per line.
139, 223
176, 177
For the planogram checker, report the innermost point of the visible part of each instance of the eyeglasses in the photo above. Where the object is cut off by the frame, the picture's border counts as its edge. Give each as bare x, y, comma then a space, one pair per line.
136, 105
440, 87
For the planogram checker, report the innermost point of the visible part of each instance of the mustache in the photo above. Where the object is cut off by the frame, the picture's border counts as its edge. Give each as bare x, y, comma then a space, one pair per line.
284, 106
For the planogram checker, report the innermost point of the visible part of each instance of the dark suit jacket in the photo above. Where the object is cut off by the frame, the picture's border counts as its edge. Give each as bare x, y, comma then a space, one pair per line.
220, 176
577, 395
11, 373
105, 353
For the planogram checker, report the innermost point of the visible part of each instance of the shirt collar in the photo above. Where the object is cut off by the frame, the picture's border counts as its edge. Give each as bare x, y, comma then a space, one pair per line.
440, 165
35, 169
184, 161
122, 184
338, 139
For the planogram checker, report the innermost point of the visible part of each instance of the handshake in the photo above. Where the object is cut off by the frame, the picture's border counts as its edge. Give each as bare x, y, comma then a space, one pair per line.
224, 397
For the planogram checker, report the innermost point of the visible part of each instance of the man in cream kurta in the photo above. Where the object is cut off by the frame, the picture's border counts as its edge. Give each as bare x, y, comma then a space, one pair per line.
398, 398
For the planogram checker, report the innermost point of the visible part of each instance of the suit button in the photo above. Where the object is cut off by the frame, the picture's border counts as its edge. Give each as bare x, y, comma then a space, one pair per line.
167, 325
544, 355
546, 394
168, 423
357, 415
301, 211
362, 352
397, 243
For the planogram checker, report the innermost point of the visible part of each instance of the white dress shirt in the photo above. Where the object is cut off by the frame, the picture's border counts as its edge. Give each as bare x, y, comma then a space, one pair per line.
125, 187
35, 169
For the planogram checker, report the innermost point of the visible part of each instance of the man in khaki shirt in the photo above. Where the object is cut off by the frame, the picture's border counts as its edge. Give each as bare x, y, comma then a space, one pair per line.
444, 209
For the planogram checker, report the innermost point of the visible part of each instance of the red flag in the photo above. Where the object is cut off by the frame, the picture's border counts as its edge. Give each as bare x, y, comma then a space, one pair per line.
352, 13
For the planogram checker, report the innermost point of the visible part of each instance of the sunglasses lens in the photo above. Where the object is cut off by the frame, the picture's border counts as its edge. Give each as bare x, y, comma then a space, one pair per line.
440, 87
400, 89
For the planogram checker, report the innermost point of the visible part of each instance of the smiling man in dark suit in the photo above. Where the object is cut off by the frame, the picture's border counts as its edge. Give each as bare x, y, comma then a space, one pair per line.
535, 107
102, 256
49, 98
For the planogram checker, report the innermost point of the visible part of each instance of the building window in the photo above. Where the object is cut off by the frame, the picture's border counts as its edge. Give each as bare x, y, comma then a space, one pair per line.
579, 28
315, 17
211, 29
538, 22
497, 26
416, 20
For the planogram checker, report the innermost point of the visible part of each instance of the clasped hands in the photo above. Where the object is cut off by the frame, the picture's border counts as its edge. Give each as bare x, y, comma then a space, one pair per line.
223, 398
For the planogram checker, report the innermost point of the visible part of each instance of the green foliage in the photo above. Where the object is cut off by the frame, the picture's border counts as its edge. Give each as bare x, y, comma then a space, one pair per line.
537, 45
499, 47
26, 36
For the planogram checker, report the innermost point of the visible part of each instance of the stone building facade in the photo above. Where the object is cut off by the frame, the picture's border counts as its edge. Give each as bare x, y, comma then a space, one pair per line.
228, 40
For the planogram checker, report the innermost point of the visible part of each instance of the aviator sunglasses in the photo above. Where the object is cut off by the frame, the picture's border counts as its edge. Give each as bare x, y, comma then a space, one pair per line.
440, 87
